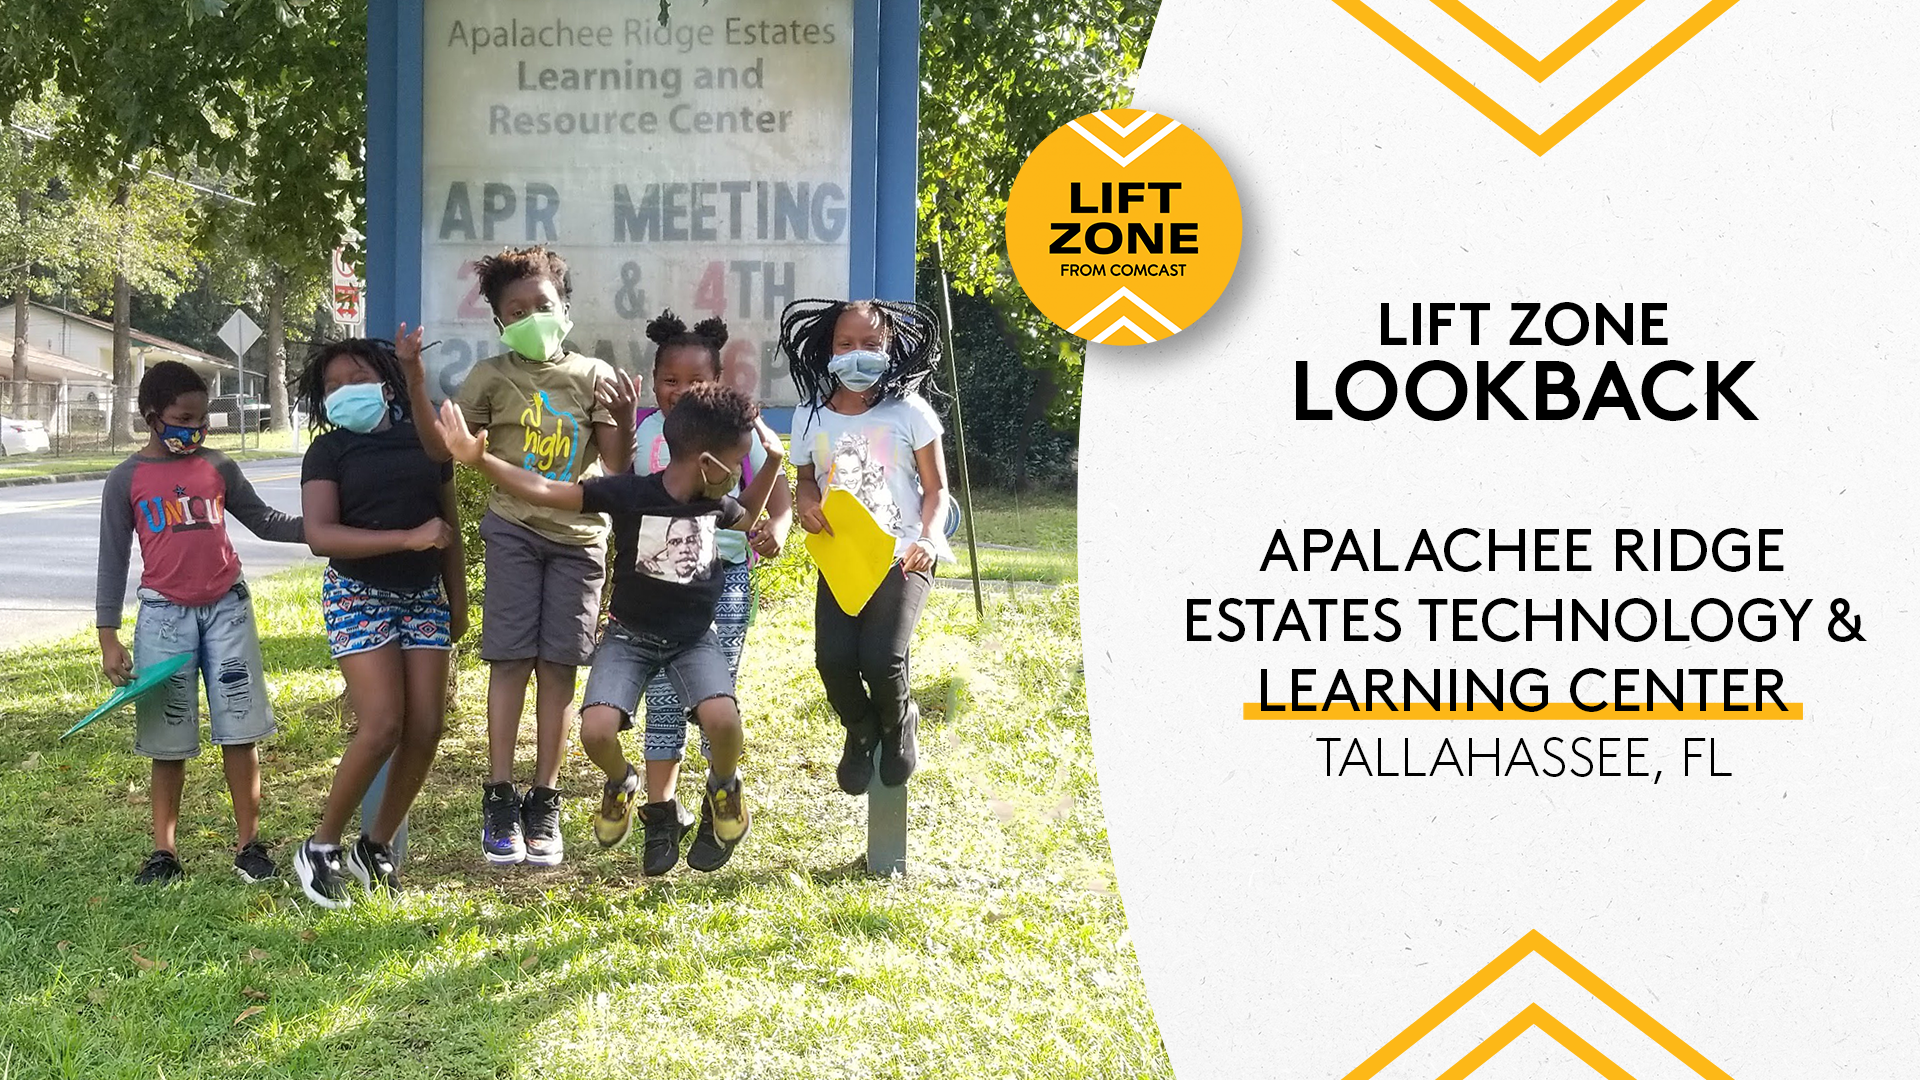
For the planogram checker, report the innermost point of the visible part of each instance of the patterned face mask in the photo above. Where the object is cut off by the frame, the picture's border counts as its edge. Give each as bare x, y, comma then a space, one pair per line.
182, 440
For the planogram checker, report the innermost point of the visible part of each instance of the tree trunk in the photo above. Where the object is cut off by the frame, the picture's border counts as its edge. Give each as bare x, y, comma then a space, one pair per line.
123, 380
277, 350
24, 200
1044, 391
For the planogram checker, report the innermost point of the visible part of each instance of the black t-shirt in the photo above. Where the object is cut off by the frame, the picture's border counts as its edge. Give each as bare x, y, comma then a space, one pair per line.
667, 573
386, 481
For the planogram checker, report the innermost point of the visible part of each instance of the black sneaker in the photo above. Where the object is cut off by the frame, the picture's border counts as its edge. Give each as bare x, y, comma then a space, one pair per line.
160, 868
500, 825
321, 876
540, 822
253, 864
613, 823
900, 748
856, 760
723, 815
372, 862
666, 823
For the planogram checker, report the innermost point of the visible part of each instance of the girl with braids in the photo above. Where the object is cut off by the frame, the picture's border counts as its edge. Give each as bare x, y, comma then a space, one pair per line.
863, 425
379, 503
682, 359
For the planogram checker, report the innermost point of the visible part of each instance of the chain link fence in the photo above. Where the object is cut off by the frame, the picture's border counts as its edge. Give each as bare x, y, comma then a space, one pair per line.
74, 419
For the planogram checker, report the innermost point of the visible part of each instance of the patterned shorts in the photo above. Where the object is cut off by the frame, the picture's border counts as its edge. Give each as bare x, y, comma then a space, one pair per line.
360, 617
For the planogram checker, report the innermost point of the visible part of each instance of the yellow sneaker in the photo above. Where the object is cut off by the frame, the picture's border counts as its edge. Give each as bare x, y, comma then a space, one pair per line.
614, 823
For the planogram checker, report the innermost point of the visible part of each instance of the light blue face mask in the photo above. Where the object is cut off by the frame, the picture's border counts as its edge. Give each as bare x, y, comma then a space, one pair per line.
858, 370
357, 406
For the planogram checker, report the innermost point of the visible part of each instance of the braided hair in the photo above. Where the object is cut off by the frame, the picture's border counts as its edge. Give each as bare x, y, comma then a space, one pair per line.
913, 344
310, 392
666, 331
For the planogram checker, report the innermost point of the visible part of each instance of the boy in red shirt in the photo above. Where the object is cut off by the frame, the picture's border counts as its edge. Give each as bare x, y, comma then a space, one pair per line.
175, 496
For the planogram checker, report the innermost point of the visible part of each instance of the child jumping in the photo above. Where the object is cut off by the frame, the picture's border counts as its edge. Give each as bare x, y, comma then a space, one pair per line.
683, 359
549, 413
862, 425
381, 505
663, 600
176, 495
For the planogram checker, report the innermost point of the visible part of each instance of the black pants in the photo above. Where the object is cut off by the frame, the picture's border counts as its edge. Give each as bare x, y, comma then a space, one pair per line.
863, 658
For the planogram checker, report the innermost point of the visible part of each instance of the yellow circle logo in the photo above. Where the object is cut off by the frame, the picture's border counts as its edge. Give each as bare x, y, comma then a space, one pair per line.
1123, 227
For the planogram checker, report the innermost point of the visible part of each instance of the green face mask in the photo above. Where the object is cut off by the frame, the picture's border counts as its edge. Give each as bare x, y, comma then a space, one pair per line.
538, 336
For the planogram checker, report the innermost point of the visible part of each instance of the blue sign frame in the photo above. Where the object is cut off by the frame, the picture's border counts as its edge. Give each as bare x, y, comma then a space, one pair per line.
883, 200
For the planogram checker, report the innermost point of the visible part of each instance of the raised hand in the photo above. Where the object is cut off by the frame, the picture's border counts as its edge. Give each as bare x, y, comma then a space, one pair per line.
466, 447
619, 395
407, 347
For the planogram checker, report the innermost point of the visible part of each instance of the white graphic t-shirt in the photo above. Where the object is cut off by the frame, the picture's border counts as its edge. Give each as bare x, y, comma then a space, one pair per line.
871, 455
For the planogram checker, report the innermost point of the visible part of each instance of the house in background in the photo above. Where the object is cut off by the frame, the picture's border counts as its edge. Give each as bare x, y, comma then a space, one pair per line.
70, 370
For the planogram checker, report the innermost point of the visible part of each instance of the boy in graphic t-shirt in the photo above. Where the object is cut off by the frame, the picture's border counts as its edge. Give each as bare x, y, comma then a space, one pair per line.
175, 495
557, 415
667, 579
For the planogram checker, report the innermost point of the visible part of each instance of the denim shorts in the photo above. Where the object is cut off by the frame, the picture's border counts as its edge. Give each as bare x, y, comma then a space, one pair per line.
628, 659
226, 643
667, 718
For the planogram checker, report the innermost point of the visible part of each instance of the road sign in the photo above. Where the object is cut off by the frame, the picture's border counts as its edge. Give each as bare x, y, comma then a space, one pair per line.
239, 333
349, 293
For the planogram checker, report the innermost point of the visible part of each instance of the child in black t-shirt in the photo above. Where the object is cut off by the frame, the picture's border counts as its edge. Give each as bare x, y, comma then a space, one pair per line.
379, 502
667, 577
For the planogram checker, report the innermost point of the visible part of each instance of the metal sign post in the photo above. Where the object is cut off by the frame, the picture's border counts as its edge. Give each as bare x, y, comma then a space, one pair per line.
727, 161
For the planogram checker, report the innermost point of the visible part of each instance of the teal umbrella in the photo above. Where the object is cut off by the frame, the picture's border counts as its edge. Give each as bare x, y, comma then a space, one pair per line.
143, 683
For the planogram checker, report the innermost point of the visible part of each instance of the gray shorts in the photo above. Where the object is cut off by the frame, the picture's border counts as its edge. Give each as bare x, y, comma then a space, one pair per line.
628, 659
223, 636
543, 597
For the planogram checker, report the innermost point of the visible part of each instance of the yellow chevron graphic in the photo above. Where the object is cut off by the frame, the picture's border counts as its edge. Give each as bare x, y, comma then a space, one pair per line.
1537, 141
1533, 1016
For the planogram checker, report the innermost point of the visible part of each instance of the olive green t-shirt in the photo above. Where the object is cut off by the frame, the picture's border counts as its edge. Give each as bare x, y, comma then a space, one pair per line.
541, 417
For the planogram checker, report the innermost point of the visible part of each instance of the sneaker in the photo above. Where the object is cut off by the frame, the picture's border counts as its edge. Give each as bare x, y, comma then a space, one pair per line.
900, 748
666, 823
253, 864
160, 868
540, 821
856, 760
321, 876
614, 823
500, 825
724, 822
372, 862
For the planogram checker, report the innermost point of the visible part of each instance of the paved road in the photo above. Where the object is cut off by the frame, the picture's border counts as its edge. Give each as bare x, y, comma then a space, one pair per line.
50, 541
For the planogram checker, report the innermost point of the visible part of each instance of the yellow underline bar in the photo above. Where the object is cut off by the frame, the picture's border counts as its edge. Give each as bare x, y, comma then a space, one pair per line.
1553, 710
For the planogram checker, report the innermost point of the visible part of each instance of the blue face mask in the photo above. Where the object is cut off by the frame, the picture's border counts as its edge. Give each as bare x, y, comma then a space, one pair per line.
859, 370
182, 440
357, 406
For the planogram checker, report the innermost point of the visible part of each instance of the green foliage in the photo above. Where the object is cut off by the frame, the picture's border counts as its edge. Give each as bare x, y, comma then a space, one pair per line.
998, 79
474, 491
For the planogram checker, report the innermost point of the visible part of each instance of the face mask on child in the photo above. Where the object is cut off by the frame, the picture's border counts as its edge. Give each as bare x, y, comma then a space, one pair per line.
858, 370
357, 406
182, 440
712, 488
538, 336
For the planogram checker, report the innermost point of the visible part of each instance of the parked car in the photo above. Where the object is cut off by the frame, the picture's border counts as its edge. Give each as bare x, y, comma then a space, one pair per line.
22, 436
228, 413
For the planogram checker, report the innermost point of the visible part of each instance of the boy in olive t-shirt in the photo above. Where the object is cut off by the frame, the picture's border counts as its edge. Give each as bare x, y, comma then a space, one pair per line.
560, 415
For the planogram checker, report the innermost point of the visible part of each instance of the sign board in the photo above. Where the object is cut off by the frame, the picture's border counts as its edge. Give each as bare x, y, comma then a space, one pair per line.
239, 333
704, 165
348, 298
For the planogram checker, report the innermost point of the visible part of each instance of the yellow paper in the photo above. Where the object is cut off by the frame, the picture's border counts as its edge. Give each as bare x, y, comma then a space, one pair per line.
856, 558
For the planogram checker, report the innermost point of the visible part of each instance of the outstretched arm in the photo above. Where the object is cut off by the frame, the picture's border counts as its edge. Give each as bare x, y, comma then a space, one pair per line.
252, 511
470, 449
419, 399
754, 499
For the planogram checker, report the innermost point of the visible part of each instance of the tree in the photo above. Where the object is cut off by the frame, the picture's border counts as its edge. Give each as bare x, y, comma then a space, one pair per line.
266, 93
998, 79
37, 245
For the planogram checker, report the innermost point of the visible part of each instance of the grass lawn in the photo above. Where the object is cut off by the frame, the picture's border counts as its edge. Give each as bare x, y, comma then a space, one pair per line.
1033, 537
269, 444
1003, 953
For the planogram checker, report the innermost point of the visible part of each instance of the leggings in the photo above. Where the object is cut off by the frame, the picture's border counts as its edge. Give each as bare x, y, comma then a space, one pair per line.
863, 658
667, 716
